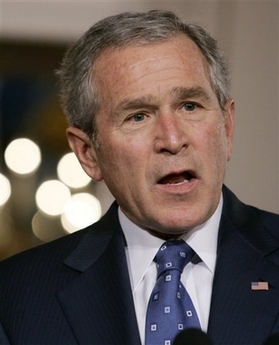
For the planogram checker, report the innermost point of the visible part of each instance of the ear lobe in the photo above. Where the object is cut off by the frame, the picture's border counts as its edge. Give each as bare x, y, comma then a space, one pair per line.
229, 125
83, 147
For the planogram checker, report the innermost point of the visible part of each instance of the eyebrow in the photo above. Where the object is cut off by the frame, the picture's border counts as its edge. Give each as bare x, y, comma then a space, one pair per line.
136, 103
192, 92
182, 93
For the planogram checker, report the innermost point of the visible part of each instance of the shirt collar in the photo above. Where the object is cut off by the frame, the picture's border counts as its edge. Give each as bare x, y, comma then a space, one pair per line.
203, 238
143, 246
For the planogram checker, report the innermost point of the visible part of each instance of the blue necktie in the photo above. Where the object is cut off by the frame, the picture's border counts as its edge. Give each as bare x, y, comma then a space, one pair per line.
170, 308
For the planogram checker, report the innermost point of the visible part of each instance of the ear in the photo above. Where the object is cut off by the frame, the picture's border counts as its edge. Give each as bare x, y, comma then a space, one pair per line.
229, 125
84, 149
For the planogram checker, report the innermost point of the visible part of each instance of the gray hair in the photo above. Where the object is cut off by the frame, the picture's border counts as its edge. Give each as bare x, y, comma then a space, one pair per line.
79, 94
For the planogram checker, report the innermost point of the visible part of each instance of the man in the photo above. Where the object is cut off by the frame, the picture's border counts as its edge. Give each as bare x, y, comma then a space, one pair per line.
147, 102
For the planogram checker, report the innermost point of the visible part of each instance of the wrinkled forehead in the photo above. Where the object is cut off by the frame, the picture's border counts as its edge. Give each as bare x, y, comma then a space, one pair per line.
179, 51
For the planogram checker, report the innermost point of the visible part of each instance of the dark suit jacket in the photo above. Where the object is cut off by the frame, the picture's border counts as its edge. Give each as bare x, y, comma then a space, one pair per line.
76, 290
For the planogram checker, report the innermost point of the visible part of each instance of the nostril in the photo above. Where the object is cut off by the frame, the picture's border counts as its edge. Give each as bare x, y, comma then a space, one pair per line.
171, 147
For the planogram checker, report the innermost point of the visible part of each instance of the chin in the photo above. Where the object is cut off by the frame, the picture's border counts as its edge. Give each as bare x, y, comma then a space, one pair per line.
167, 234
182, 221
176, 228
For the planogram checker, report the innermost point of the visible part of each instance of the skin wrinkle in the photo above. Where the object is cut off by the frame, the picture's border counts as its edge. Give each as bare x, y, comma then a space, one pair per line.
125, 68
181, 93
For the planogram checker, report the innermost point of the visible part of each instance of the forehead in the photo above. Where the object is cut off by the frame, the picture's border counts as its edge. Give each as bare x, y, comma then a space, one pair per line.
137, 66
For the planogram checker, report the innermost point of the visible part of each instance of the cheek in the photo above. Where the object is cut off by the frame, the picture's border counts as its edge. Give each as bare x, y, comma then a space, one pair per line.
220, 151
214, 144
120, 158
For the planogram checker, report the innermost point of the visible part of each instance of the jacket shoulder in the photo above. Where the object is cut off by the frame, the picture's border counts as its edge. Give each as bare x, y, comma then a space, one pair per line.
257, 227
242, 214
54, 252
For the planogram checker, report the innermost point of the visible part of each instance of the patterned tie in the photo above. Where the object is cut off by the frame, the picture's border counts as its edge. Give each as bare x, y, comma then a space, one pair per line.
170, 308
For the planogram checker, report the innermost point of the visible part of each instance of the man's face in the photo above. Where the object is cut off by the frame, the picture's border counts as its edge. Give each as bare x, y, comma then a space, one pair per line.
163, 141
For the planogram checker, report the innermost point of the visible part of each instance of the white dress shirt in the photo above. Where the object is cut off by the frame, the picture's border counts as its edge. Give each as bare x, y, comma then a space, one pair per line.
197, 278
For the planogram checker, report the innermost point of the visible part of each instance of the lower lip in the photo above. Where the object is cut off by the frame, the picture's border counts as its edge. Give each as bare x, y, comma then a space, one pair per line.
178, 188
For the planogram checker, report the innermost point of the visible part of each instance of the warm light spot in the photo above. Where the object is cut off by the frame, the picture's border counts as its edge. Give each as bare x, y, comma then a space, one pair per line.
71, 173
80, 211
52, 196
5, 189
23, 156
46, 228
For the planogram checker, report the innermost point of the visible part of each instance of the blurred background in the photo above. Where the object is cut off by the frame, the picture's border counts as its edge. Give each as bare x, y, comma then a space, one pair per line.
44, 194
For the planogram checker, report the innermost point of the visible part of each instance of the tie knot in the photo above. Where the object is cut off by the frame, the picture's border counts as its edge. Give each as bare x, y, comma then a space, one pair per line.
174, 254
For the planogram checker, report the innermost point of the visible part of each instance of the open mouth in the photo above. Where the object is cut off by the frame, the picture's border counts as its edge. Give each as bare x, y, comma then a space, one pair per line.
177, 179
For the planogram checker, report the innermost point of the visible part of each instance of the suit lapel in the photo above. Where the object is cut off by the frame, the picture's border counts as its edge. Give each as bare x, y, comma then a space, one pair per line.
99, 303
240, 315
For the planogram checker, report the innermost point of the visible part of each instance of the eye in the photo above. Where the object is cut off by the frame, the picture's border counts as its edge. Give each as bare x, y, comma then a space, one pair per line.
138, 117
190, 106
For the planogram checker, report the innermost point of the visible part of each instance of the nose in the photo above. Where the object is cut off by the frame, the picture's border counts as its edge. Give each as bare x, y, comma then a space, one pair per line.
170, 136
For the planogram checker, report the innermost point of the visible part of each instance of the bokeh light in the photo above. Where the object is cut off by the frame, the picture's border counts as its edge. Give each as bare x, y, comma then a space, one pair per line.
80, 211
71, 173
22, 156
52, 196
46, 228
5, 189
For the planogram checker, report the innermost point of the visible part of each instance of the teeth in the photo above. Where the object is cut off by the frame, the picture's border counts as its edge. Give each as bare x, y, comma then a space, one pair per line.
178, 183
